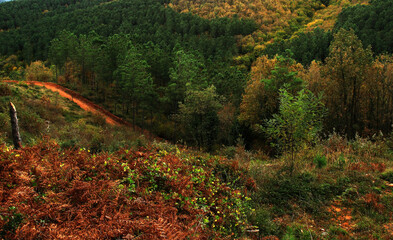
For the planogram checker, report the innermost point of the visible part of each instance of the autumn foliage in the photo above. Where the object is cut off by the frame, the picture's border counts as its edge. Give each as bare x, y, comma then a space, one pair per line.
275, 19
37, 71
48, 193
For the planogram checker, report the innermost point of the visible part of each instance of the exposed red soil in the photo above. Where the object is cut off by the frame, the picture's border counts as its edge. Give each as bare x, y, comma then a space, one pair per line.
85, 104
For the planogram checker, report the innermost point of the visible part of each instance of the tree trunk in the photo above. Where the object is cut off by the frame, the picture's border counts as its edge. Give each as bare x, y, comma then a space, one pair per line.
353, 110
133, 115
151, 118
56, 74
15, 127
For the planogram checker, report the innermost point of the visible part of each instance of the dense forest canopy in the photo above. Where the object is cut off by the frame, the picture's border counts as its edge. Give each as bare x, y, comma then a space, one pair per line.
155, 62
35, 24
373, 24
276, 20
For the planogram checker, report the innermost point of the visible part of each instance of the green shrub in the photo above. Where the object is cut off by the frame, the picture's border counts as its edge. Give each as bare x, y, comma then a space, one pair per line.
15, 91
97, 142
341, 161
229, 151
12, 221
337, 231
37, 71
350, 194
299, 232
230, 173
320, 161
375, 147
262, 219
161, 145
141, 141
387, 175
364, 225
46, 110
298, 122
70, 143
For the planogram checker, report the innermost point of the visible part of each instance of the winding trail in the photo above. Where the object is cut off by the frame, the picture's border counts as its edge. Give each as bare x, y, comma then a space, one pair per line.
85, 104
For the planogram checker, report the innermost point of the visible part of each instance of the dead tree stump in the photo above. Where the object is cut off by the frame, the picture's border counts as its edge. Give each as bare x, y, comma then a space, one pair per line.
15, 127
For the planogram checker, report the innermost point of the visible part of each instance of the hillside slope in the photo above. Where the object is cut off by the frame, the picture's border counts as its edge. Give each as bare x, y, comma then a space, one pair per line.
84, 104
275, 19
49, 193
42, 112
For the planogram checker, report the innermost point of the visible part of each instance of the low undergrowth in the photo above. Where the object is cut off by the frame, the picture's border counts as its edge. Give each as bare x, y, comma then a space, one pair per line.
47, 192
340, 189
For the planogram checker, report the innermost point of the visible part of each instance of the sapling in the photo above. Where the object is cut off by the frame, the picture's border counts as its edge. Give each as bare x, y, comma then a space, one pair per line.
297, 123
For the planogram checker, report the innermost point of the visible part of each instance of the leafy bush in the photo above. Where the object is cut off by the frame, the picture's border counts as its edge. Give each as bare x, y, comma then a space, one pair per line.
341, 161
320, 161
336, 142
364, 225
97, 142
70, 143
141, 141
298, 122
299, 232
13, 220
337, 231
388, 175
38, 72
229, 151
96, 120
350, 193
262, 219
166, 146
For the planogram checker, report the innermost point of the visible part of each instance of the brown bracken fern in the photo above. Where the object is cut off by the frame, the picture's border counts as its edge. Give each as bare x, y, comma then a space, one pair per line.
50, 193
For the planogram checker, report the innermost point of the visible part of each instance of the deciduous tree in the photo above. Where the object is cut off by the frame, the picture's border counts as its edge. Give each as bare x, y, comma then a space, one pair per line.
297, 123
346, 69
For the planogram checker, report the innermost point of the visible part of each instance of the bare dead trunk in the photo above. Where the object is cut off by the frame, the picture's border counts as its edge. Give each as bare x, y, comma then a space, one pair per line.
15, 127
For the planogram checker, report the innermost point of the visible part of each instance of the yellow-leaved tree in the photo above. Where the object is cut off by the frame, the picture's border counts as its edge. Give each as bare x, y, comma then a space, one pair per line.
346, 68
37, 71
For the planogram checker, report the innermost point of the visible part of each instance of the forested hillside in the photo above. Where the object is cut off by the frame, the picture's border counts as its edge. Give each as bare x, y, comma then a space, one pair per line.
287, 107
155, 66
142, 36
276, 20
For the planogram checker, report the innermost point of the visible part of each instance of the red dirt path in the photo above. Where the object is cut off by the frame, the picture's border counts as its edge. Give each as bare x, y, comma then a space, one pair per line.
84, 104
